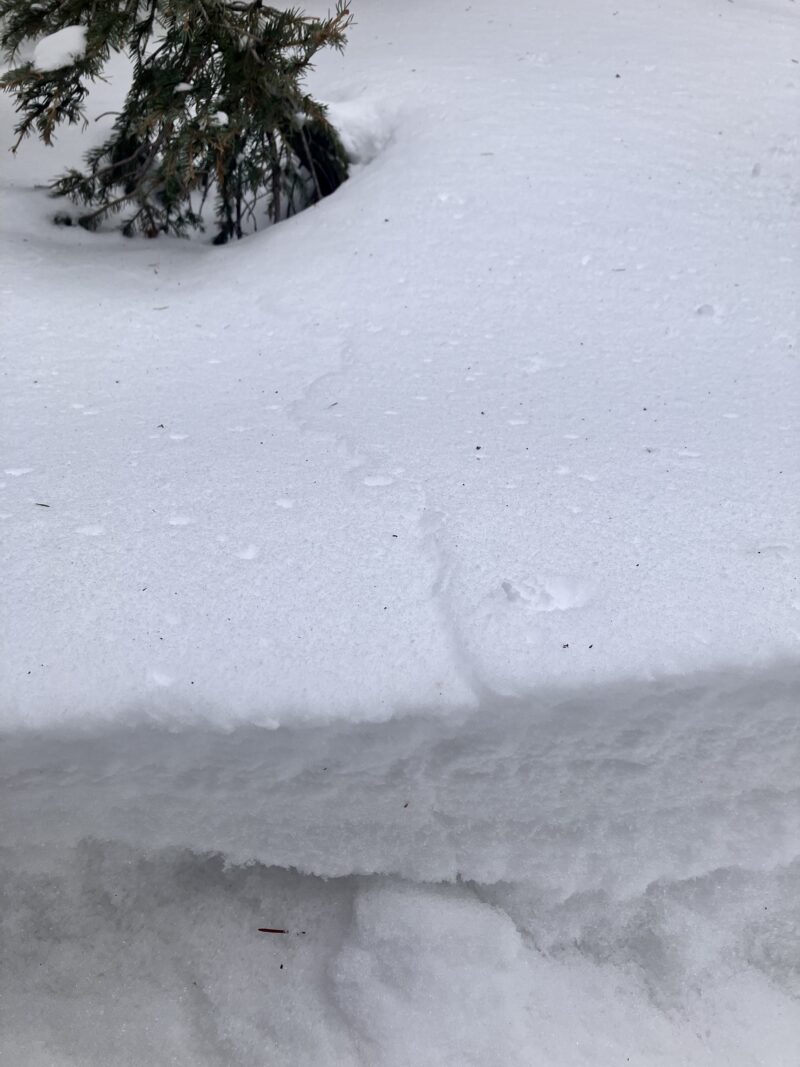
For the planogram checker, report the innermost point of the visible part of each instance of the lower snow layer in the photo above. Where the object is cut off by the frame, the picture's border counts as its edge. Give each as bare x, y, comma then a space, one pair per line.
601, 878
125, 957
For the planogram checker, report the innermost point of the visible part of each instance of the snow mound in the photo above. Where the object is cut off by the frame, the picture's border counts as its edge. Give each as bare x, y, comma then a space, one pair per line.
364, 125
60, 49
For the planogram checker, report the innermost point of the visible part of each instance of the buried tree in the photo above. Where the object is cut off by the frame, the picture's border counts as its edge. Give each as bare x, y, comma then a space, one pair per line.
215, 108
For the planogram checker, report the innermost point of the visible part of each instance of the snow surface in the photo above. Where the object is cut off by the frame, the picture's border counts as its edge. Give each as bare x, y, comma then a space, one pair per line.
60, 49
419, 576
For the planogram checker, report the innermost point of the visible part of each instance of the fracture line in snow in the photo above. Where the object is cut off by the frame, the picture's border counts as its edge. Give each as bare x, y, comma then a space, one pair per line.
430, 522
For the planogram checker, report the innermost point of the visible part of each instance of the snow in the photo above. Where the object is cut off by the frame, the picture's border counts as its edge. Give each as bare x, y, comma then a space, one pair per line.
419, 576
60, 49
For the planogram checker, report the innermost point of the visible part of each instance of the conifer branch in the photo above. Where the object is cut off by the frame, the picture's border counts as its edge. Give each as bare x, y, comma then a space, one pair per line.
215, 106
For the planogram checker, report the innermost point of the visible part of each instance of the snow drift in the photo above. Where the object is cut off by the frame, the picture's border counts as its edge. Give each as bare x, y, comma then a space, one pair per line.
418, 577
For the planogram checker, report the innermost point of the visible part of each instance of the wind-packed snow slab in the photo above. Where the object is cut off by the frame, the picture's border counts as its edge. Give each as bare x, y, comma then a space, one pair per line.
518, 406
441, 543
606, 790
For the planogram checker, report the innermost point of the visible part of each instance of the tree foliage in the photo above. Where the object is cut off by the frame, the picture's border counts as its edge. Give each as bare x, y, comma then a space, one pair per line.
216, 108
